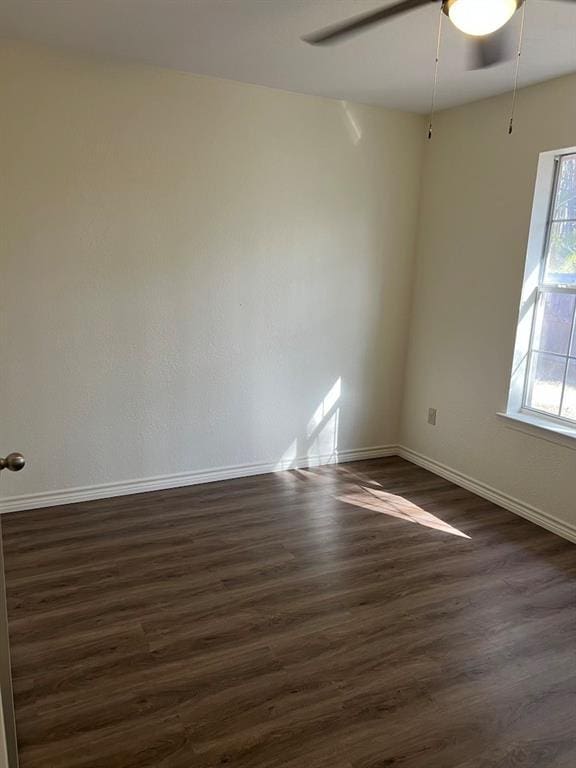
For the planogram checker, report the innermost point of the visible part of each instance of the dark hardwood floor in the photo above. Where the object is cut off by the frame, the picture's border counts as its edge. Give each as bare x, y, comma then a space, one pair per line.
367, 615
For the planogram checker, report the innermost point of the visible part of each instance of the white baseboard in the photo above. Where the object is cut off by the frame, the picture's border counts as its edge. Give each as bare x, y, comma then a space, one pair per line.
510, 503
162, 482
182, 479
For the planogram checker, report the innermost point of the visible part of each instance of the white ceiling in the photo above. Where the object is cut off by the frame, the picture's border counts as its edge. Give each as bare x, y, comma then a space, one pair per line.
258, 41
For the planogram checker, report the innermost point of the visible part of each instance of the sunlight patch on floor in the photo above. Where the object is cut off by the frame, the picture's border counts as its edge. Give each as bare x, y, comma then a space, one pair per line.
396, 506
358, 476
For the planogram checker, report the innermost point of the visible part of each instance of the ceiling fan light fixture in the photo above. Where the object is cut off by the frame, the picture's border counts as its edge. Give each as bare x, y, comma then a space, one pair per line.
480, 17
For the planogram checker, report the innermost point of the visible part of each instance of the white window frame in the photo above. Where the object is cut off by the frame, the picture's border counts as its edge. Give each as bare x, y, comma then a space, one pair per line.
532, 291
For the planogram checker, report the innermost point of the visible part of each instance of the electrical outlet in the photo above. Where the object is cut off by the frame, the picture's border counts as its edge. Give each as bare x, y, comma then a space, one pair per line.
432, 416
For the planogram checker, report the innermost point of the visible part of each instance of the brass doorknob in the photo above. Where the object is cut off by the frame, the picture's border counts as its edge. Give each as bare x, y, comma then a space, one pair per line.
14, 462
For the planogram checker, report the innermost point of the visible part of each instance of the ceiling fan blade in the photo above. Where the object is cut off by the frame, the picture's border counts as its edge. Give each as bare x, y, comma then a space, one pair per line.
338, 32
491, 50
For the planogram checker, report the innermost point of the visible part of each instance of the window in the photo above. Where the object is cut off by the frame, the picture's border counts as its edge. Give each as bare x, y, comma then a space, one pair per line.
551, 381
543, 388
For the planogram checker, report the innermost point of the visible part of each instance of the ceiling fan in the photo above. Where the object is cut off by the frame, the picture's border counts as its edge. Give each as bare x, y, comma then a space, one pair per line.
483, 20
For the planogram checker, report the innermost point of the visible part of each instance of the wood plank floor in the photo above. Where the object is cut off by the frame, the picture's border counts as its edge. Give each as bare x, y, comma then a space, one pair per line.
367, 615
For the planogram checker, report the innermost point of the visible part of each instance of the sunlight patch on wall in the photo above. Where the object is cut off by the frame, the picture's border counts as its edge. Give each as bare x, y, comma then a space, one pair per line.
288, 459
319, 444
322, 429
352, 124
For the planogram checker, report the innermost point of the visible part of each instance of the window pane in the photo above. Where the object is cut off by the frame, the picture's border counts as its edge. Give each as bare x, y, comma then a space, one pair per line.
569, 403
554, 323
561, 261
565, 204
546, 380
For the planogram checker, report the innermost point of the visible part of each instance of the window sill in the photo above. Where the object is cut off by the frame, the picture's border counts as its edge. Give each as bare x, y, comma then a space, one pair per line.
541, 428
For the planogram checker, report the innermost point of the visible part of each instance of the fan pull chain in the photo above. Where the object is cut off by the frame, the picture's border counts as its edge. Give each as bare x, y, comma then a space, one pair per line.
515, 92
435, 88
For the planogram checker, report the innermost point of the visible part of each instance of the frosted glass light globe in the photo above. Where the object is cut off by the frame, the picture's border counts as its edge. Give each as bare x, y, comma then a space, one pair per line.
481, 17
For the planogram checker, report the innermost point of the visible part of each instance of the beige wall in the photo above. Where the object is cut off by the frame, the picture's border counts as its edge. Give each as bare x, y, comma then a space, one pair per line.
188, 266
477, 192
